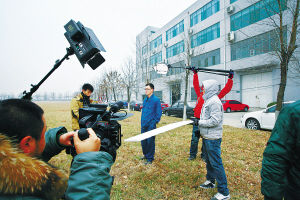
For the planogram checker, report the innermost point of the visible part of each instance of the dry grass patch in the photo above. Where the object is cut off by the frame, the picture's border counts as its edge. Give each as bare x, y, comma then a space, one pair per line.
172, 176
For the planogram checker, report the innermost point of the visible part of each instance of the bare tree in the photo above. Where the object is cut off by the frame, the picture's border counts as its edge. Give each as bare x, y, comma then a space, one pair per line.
187, 57
129, 77
113, 78
283, 15
287, 49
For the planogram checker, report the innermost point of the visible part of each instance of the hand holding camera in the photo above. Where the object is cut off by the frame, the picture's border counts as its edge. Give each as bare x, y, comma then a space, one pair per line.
66, 138
92, 143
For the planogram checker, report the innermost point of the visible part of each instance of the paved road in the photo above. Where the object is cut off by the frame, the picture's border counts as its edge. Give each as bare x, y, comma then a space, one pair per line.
234, 118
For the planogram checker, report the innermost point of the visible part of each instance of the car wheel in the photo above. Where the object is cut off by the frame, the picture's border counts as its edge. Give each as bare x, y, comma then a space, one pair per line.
166, 113
228, 110
246, 109
252, 124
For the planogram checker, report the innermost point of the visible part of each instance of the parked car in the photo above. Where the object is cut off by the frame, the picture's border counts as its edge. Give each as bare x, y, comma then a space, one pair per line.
263, 119
125, 104
111, 103
177, 109
135, 105
163, 105
233, 105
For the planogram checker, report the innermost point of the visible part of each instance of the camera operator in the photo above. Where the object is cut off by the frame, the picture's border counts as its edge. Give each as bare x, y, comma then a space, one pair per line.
80, 101
25, 147
197, 111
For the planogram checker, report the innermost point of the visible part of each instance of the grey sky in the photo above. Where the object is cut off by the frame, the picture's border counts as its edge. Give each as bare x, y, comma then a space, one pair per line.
32, 38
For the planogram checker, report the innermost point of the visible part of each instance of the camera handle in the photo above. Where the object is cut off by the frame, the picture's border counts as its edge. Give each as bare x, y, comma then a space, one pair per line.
27, 95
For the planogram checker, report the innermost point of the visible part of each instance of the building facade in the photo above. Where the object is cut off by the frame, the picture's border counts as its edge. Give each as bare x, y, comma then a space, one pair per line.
218, 34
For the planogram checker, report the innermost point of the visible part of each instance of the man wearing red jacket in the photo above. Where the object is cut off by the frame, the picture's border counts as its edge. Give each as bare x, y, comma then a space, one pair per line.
197, 110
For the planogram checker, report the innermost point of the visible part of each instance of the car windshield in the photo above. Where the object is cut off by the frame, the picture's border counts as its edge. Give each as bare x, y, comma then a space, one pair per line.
223, 101
273, 108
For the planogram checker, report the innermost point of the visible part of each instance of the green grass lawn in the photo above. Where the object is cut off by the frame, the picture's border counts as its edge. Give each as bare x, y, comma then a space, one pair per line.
172, 176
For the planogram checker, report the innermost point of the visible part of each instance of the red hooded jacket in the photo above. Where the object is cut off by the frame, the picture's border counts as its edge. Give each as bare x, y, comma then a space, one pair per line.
200, 101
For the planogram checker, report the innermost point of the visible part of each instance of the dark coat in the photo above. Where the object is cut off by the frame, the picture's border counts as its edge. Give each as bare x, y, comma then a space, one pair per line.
281, 159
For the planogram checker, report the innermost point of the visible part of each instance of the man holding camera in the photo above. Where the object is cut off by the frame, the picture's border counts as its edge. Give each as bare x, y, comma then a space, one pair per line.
151, 114
25, 146
198, 108
80, 101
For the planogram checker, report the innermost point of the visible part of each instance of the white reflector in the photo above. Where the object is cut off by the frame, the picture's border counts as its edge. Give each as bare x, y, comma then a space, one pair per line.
157, 131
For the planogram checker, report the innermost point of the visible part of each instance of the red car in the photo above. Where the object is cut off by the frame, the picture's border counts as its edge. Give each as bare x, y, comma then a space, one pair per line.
163, 105
233, 105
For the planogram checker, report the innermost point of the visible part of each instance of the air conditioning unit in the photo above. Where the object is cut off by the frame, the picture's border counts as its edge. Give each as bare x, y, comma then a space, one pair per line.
190, 31
166, 44
191, 51
231, 36
230, 9
252, 52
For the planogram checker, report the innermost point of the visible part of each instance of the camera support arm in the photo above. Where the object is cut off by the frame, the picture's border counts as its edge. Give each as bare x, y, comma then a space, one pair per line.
28, 95
164, 68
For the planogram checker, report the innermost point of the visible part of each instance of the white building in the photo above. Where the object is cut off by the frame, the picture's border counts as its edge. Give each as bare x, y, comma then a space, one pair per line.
217, 34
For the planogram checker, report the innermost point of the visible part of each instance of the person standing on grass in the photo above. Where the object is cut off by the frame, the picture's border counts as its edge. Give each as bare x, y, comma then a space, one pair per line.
280, 172
211, 130
80, 101
197, 111
151, 114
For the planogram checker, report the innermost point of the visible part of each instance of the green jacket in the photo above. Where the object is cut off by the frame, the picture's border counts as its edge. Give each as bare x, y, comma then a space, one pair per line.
24, 177
281, 159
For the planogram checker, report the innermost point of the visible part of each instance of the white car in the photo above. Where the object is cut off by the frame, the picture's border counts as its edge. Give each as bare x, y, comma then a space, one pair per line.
263, 119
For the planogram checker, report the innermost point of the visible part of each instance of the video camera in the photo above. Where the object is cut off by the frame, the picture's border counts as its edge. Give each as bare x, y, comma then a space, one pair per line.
104, 123
83, 43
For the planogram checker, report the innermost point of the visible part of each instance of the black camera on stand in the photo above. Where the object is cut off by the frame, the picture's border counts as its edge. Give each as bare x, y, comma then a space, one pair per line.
104, 123
83, 43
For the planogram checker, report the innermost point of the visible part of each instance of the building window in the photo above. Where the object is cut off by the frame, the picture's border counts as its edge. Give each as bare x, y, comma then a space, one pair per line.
144, 49
206, 35
174, 71
175, 30
255, 13
204, 12
155, 43
256, 45
232, 1
154, 75
156, 58
207, 59
144, 64
193, 94
175, 49
158, 94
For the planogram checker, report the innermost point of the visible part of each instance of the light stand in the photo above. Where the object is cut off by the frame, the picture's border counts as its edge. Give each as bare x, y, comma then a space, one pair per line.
28, 95
164, 68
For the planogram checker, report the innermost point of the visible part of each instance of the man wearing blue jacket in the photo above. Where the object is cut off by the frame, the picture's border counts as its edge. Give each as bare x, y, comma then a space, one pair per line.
25, 148
151, 114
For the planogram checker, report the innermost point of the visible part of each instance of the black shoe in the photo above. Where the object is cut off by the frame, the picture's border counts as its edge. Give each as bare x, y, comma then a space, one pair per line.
207, 185
143, 158
148, 162
191, 158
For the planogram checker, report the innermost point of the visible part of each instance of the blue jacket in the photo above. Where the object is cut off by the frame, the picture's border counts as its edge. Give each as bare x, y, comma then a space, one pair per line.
25, 177
151, 112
